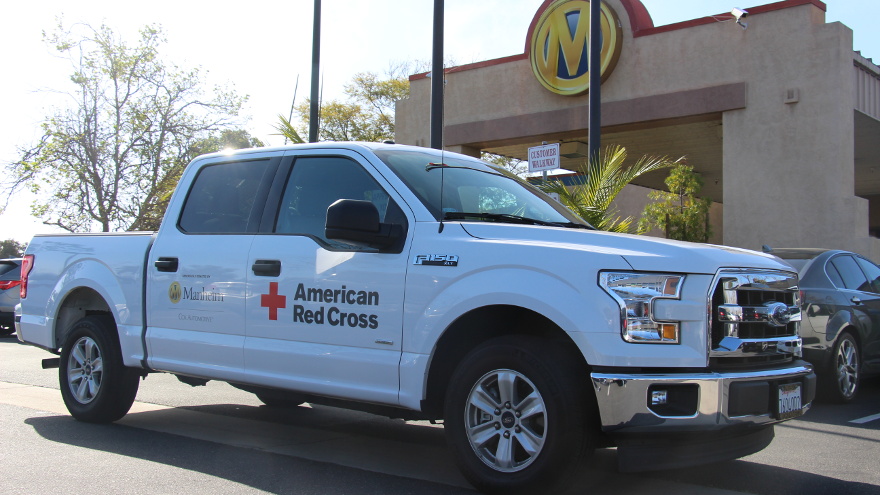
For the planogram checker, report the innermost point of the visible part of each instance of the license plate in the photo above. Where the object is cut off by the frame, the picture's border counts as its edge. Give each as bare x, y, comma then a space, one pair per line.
789, 401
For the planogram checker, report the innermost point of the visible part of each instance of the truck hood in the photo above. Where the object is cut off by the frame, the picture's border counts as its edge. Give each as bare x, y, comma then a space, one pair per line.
643, 253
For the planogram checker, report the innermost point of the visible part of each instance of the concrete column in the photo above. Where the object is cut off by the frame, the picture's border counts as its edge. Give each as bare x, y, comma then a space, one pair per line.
789, 165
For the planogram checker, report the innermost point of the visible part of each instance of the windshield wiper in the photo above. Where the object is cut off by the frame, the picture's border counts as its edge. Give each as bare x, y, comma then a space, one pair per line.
508, 218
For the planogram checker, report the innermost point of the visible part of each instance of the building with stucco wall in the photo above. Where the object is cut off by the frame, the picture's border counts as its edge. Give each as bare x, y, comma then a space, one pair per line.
781, 119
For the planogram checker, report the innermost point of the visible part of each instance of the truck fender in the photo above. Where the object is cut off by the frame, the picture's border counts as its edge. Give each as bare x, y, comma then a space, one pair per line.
585, 310
89, 285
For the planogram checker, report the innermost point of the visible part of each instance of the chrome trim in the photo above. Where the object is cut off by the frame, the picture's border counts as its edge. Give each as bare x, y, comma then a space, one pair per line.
776, 314
643, 337
736, 347
745, 279
773, 313
623, 399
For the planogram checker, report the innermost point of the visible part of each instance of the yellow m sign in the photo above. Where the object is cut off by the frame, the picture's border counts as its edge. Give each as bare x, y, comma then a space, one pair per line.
559, 47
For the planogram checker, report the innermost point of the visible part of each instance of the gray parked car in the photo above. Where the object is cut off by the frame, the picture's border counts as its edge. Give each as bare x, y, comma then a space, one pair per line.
840, 306
10, 279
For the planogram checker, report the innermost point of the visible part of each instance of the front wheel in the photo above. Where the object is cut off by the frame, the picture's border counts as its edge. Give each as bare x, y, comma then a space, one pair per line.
95, 385
518, 416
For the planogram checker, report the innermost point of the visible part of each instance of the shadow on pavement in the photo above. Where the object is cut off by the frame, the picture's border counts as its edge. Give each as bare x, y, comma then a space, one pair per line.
263, 471
279, 473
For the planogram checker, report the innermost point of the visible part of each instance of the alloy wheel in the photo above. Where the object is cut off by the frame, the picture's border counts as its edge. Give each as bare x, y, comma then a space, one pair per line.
847, 367
505, 420
85, 370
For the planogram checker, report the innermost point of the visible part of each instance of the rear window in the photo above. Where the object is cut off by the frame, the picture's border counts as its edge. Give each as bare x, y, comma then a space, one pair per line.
873, 273
9, 270
853, 277
221, 199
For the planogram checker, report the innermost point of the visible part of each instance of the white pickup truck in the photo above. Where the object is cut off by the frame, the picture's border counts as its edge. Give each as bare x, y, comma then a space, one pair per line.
423, 284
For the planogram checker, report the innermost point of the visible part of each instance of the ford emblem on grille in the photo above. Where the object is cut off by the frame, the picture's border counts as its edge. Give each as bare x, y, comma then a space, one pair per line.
778, 314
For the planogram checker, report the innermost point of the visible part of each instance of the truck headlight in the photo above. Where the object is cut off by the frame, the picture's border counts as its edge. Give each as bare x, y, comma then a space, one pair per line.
635, 293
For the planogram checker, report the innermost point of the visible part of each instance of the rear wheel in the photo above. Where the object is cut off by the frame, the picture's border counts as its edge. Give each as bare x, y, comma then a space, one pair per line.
95, 385
518, 416
844, 373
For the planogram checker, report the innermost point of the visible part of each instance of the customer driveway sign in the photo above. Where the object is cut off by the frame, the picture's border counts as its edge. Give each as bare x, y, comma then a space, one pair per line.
543, 158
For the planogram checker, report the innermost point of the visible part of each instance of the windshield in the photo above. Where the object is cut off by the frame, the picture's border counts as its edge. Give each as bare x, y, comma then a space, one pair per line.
473, 187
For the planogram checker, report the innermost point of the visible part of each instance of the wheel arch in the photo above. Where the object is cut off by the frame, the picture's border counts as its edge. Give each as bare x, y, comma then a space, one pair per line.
92, 287
840, 323
855, 334
482, 324
77, 304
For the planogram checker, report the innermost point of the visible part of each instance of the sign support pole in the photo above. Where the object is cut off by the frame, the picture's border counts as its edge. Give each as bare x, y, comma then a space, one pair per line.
595, 68
437, 79
314, 115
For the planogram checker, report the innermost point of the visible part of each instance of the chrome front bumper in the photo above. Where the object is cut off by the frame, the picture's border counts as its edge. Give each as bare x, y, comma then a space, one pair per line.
696, 402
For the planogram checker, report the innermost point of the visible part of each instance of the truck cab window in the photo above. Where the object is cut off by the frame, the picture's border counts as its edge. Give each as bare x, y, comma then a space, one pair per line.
222, 198
317, 182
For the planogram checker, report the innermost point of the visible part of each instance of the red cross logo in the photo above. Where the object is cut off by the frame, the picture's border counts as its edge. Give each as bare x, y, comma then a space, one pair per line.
273, 300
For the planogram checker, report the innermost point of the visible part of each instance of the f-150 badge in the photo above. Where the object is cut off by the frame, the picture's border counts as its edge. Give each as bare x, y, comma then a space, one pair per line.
436, 259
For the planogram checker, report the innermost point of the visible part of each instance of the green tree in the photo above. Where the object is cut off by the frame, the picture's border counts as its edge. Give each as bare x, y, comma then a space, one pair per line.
106, 161
602, 180
227, 139
10, 248
680, 212
345, 121
366, 114
286, 129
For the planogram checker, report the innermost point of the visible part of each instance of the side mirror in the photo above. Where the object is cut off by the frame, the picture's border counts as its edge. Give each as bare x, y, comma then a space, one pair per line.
357, 222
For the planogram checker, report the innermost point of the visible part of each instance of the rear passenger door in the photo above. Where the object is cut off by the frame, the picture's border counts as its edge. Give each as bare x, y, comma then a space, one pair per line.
197, 273
325, 316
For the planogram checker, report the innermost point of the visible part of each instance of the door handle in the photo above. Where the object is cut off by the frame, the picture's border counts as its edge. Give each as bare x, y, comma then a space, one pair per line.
266, 268
166, 264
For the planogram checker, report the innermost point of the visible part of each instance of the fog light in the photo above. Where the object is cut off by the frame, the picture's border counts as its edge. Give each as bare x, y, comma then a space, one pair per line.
658, 397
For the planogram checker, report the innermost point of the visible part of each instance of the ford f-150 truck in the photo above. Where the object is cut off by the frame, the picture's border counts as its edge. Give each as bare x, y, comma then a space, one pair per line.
423, 284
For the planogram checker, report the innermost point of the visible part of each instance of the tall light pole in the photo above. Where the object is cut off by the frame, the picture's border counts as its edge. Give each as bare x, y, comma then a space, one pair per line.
315, 103
437, 79
595, 67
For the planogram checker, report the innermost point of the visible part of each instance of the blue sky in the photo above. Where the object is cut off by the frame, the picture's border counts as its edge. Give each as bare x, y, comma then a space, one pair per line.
263, 46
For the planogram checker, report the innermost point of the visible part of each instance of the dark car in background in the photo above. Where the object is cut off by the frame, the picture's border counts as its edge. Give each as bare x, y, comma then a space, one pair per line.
840, 307
10, 279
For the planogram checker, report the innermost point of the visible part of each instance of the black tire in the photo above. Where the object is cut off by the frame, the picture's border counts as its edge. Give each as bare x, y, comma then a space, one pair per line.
95, 385
6, 330
500, 450
841, 380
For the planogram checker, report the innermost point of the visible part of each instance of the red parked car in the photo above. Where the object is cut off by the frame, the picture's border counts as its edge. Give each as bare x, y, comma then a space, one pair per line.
10, 279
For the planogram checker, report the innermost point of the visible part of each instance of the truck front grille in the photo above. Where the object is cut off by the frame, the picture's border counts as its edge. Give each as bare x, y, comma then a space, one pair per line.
755, 319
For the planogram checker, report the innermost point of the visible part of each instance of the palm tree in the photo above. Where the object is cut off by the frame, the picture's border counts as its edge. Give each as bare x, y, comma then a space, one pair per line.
285, 128
603, 178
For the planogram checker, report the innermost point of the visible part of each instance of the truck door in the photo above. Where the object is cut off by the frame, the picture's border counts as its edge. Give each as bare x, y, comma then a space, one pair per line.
196, 270
325, 316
